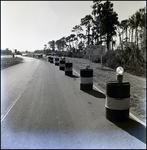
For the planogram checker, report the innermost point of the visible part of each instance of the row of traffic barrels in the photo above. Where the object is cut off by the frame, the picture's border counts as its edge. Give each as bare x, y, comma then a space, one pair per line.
117, 95
63, 65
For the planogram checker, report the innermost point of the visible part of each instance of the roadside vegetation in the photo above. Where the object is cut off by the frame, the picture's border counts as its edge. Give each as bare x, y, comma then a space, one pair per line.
9, 61
101, 28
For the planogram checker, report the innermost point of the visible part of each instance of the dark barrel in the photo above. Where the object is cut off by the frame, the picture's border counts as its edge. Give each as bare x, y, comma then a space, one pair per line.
117, 101
57, 61
86, 82
62, 64
68, 68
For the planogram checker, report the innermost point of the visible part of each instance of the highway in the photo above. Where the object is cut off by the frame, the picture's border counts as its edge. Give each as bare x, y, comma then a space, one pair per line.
41, 108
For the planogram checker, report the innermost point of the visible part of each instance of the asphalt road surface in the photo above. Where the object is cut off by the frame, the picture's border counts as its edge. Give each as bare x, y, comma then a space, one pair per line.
41, 108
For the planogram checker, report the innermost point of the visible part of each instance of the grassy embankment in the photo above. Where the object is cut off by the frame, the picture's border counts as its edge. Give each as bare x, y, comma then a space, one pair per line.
9, 61
101, 76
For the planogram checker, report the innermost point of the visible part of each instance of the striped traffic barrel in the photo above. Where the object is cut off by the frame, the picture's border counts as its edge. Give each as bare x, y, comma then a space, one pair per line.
57, 61
62, 64
51, 60
68, 68
86, 79
117, 101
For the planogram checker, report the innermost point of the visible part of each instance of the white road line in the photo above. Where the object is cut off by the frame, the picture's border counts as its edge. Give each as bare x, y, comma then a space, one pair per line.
137, 119
131, 115
14, 102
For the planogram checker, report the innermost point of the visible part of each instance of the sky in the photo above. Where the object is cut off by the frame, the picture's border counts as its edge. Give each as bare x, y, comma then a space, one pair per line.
28, 25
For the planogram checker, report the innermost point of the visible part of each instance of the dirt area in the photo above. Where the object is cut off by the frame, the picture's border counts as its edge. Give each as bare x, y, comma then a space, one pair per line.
101, 76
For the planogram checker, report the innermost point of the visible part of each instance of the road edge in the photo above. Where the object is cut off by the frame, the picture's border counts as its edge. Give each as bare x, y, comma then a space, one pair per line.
104, 92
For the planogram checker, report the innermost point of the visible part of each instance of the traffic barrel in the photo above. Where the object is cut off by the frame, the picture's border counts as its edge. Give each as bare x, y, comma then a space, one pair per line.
86, 79
51, 60
68, 68
117, 101
57, 61
62, 64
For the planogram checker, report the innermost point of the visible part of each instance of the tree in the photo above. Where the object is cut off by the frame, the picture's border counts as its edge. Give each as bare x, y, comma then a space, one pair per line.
77, 29
97, 31
125, 24
119, 28
87, 22
68, 42
107, 19
61, 43
137, 24
52, 45
72, 39
81, 46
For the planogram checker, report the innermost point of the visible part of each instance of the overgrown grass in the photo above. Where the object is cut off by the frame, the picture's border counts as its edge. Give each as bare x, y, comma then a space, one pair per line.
131, 59
10, 61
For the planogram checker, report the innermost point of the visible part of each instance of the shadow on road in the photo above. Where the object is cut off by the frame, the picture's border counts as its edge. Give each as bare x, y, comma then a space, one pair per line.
134, 128
73, 76
96, 94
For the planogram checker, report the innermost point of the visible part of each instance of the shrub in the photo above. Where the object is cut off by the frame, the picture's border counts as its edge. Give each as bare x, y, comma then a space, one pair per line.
130, 59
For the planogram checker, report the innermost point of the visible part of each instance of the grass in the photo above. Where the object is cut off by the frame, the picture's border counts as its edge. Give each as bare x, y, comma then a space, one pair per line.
9, 61
101, 76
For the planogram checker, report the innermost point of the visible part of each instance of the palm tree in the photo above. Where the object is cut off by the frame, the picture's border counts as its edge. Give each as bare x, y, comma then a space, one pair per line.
107, 19
125, 25
119, 28
97, 28
142, 24
61, 44
52, 45
72, 39
132, 26
68, 42
87, 22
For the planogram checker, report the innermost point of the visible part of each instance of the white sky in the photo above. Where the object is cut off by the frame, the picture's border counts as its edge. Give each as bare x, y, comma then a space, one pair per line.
28, 25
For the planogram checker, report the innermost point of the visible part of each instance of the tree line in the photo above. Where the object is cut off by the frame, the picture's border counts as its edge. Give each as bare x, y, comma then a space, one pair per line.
102, 27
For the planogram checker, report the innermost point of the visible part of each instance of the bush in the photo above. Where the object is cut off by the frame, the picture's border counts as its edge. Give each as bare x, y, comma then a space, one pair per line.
130, 59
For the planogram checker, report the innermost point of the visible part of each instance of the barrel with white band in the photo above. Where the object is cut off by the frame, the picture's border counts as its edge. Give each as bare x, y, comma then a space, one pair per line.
117, 101
51, 60
57, 61
68, 68
62, 64
86, 79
